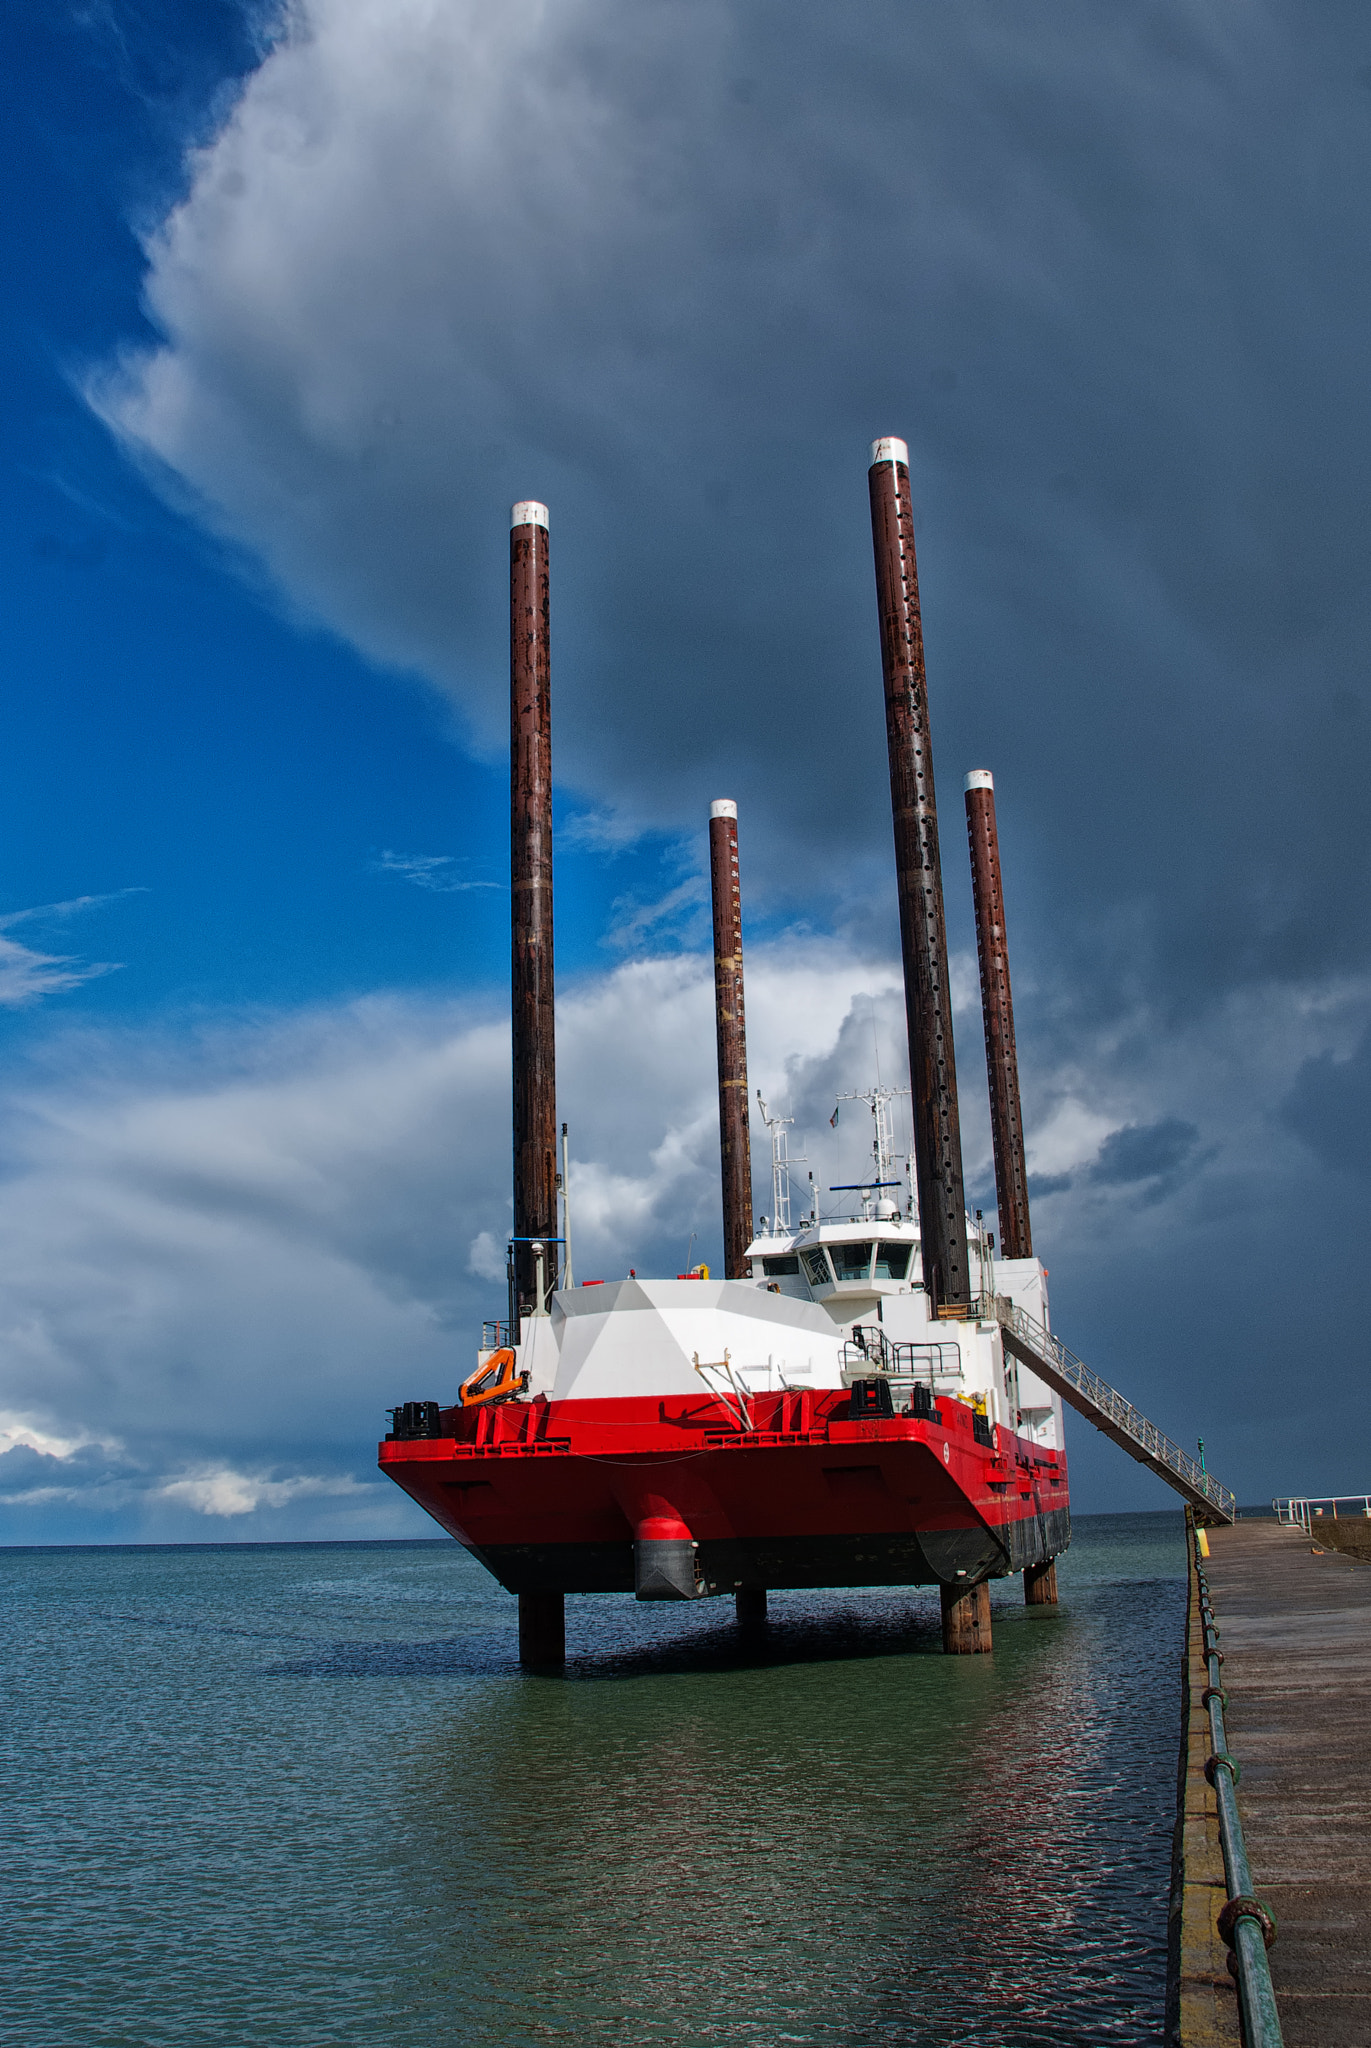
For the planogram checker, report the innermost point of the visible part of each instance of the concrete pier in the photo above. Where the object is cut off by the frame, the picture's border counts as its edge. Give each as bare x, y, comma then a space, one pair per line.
1295, 1630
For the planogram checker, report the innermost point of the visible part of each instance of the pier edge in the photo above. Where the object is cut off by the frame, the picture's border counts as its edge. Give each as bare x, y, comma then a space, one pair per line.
1201, 1996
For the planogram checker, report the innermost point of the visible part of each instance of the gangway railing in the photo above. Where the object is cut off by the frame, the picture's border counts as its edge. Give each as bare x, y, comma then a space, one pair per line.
1103, 1405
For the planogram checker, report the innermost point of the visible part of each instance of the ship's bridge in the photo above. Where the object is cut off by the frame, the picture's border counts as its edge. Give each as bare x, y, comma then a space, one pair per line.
847, 1267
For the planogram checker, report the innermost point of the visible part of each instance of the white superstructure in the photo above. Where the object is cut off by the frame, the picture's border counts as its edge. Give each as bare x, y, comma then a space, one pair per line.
826, 1304
866, 1275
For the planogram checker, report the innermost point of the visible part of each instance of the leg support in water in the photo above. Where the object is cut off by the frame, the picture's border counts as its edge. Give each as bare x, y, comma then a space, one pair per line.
1040, 1584
749, 1604
966, 1620
542, 1630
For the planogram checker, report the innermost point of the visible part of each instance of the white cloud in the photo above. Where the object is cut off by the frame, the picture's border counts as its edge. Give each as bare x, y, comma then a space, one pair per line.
221, 1262
486, 1258
26, 976
428, 871
606, 830
1069, 1137
18, 1432
632, 923
226, 1492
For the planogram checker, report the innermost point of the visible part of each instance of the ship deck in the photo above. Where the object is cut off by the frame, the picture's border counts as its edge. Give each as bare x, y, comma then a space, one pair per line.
786, 1490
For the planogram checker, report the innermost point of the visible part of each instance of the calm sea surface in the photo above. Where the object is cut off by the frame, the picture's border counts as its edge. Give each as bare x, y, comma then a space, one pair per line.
298, 1795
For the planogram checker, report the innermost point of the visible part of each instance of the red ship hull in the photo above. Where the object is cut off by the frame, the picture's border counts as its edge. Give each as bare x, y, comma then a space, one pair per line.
554, 1496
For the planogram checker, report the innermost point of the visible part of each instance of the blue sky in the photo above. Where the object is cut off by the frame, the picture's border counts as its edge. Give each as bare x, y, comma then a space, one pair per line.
229, 779
293, 309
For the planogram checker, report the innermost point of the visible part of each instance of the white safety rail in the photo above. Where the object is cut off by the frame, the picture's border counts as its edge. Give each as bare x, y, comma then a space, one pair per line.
1101, 1404
1298, 1513
936, 1366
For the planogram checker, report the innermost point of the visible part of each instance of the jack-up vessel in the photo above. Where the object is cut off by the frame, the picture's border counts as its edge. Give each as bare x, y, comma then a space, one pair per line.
867, 1401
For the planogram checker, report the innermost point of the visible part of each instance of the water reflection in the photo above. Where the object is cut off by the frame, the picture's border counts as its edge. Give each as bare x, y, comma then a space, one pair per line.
831, 1838
297, 1797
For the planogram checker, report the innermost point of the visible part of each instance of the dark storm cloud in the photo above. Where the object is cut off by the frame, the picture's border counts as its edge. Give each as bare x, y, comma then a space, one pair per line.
1151, 1156
671, 267
1329, 1109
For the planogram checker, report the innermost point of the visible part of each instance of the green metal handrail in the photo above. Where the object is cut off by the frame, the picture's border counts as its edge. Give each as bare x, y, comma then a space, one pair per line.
1245, 1923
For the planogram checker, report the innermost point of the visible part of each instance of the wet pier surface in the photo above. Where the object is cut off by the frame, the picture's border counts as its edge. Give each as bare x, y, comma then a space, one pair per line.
1296, 1633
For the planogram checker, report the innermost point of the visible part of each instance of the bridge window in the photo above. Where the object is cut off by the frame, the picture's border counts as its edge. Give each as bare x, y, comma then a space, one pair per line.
780, 1269
816, 1266
852, 1261
892, 1261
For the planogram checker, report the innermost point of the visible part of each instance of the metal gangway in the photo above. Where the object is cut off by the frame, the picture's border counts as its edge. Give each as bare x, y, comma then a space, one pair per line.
1101, 1404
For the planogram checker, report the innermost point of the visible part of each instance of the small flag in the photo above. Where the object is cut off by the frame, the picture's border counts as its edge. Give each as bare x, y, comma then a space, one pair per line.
834, 1118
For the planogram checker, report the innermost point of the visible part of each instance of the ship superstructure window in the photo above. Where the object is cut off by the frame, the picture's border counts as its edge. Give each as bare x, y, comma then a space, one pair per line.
852, 1261
816, 1267
892, 1261
781, 1269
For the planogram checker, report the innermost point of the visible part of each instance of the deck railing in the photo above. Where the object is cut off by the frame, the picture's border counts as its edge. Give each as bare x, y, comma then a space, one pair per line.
869, 1351
1297, 1512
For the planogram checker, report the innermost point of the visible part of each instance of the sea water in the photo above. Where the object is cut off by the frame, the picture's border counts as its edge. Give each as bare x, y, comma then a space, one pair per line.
302, 1794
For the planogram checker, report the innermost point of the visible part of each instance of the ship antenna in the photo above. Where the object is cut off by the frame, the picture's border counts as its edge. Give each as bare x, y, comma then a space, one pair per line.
777, 1126
564, 1182
884, 1155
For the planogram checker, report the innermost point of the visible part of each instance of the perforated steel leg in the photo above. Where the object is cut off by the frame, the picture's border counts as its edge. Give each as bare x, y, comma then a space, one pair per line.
1040, 1584
966, 1620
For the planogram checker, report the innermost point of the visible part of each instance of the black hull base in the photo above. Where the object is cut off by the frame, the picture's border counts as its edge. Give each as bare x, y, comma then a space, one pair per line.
949, 1557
